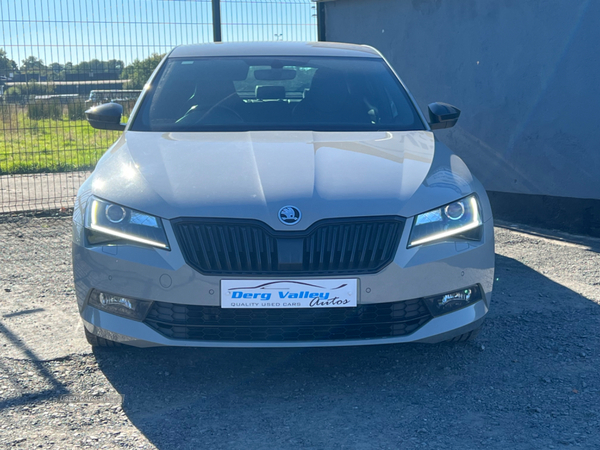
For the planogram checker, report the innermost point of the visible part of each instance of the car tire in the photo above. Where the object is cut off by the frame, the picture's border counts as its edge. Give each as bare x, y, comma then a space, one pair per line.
466, 337
96, 341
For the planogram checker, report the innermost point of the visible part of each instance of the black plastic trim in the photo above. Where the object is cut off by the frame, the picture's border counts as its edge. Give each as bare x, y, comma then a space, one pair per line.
289, 235
213, 323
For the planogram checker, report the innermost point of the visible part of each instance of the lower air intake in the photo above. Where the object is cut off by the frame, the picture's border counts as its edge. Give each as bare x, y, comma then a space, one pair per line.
212, 323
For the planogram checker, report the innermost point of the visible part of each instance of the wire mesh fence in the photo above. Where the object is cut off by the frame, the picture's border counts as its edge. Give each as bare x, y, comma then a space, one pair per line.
60, 57
267, 20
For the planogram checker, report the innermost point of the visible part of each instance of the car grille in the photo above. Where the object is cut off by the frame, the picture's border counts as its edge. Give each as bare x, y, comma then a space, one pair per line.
329, 247
212, 323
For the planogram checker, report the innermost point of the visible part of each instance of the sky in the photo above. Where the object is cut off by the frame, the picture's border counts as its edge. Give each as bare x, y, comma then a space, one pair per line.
80, 30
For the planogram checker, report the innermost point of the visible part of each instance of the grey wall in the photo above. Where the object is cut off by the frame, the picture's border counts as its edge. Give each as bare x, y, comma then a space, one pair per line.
525, 73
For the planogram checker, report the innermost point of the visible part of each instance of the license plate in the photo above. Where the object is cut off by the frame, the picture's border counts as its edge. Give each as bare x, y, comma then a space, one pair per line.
329, 293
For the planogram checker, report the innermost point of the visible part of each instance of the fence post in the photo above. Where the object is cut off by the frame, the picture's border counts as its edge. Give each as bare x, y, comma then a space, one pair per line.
321, 35
216, 18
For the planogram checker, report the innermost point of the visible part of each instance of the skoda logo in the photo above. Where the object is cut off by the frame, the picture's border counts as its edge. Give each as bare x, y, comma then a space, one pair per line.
290, 215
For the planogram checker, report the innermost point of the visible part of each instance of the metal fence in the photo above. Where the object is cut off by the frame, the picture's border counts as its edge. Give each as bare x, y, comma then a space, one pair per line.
59, 57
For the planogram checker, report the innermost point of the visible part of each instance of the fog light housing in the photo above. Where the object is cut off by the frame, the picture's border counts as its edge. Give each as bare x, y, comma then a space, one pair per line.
452, 301
130, 308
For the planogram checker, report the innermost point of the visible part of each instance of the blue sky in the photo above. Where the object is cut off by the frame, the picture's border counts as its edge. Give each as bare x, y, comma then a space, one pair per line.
78, 30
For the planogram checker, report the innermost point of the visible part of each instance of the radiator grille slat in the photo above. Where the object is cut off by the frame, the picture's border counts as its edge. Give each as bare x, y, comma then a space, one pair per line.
376, 244
259, 248
247, 247
213, 243
333, 248
354, 244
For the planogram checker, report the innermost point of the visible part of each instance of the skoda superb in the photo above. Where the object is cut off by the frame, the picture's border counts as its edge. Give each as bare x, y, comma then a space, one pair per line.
280, 194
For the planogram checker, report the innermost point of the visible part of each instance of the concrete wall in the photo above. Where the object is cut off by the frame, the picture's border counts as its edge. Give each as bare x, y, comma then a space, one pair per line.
525, 73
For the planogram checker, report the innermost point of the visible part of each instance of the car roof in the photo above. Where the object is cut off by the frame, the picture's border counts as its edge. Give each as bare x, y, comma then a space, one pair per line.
274, 49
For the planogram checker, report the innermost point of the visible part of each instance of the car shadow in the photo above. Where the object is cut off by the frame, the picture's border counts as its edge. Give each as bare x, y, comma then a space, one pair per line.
531, 375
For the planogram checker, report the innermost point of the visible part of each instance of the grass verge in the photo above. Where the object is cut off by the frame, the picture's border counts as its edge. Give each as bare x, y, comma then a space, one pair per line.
46, 145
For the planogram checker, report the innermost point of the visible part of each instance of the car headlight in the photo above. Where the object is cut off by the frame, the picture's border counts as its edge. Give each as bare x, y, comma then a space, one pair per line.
107, 222
461, 218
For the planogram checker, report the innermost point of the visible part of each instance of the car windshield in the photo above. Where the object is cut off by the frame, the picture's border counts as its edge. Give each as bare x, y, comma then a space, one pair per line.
276, 93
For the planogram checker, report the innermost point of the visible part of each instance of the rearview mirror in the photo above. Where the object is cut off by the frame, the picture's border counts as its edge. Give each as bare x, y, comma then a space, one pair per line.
442, 115
106, 117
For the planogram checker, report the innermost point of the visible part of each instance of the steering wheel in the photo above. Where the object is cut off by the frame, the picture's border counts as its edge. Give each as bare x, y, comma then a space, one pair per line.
217, 115
225, 112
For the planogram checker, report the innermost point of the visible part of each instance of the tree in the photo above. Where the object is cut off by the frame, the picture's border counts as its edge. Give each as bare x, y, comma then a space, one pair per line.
7, 65
33, 65
138, 71
97, 66
56, 72
34, 69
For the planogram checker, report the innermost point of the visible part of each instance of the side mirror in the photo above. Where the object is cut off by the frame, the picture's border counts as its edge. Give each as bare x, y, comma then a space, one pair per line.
106, 117
442, 115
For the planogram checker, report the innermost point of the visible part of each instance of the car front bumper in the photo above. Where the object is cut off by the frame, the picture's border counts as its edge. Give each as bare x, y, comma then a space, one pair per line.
163, 276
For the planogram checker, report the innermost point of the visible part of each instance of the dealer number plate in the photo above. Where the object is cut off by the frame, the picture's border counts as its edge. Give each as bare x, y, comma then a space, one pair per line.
329, 293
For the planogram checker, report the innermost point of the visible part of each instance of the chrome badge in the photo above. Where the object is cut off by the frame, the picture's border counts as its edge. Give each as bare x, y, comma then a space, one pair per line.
290, 215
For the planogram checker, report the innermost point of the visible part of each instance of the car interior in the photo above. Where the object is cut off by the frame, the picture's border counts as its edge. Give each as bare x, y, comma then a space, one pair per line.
270, 92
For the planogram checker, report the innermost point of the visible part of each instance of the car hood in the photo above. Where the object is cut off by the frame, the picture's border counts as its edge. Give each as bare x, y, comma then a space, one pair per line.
255, 174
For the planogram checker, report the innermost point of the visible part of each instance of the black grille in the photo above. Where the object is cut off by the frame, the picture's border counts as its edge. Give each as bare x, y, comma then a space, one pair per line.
247, 247
212, 323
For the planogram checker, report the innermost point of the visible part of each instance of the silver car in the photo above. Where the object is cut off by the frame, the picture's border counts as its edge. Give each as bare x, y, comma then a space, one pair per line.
280, 195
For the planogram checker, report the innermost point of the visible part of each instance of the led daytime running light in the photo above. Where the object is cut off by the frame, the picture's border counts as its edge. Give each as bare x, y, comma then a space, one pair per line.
129, 237
476, 222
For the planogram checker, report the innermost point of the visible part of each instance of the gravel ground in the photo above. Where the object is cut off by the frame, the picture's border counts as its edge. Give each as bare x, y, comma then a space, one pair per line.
530, 381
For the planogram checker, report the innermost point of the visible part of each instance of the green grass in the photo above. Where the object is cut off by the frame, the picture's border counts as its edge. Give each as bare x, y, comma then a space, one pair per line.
46, 145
